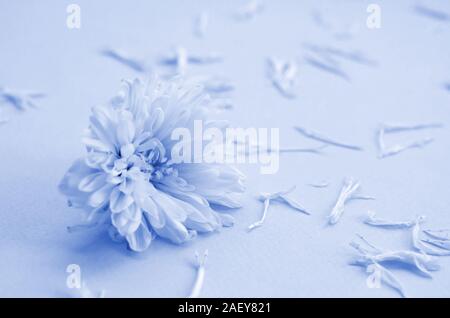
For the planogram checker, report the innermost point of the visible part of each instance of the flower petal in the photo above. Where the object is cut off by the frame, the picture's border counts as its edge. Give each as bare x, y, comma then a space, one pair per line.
119, 201
169, 206
99, 197
127, 221
125, 131
140, 240
151, 211
175, 232
92, 182
226, 219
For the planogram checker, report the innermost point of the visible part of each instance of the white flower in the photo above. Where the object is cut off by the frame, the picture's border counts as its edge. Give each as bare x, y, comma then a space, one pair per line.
127, 179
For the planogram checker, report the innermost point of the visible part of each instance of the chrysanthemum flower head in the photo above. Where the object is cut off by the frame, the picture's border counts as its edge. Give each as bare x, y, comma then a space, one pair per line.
127, 179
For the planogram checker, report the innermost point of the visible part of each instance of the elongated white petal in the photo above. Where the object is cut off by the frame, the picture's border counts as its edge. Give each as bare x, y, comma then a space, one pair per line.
318, 137
442, 244
374, 221
421, 246
422, 262
387, 151
294, 204
347, 192
140, 239
386, 276
200, 277
443, 235
263, 218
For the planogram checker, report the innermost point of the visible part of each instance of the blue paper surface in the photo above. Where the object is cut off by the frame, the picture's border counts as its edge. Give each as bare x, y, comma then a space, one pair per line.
292, 254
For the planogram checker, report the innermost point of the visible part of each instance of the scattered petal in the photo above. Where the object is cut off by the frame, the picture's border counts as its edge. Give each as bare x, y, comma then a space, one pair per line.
432, 13
218, 85
421, 246
206, 58
180, 58
263, 218
387, 277
384, 151
125, 59
318, 137
21, 99
254, 149
347, 193
322, 184
329, 53
443, 235
374, 221
280, 196
283, 75
393, 128
316, 150
81, 227
422, 262
292, 203
326, 66
196, 289
442, 244
447, 86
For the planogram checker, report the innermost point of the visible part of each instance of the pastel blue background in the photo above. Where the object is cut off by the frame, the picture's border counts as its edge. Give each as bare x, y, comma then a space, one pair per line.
291, 255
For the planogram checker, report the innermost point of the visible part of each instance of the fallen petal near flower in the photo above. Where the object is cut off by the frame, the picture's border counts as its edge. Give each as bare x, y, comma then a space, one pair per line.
292, 203
125, 59
263, 218
280, 196
200, 277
